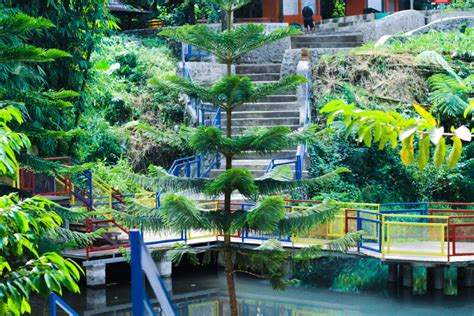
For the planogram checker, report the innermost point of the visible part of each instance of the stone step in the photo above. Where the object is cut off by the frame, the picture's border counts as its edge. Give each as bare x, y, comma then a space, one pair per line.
255, 155
239, 130
268, 106
257, 68
251, 164
256, 173
280, 98
263, 114
326, 44
267, 121
328, 38
263, 76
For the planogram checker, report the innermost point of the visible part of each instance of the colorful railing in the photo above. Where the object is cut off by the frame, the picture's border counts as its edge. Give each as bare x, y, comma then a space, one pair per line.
143, 264
55, 301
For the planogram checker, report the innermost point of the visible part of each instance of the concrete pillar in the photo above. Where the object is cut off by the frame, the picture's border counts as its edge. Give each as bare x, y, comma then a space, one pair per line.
438, 278
392, 272
96, 298
165, 266
95, 275
468, 277
407, 275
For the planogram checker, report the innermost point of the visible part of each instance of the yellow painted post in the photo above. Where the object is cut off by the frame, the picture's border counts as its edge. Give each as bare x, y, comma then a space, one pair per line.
382, 236
442, 240
16, 183
73, 199
110, 198
388, 241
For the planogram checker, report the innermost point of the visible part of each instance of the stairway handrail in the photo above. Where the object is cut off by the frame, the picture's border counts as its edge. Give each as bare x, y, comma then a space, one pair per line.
142, 263
55, 301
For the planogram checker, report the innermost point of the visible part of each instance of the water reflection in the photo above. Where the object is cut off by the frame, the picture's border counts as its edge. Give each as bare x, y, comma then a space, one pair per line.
329, 287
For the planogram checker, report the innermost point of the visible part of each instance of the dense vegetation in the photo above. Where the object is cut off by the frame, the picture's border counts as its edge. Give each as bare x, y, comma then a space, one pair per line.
392, 78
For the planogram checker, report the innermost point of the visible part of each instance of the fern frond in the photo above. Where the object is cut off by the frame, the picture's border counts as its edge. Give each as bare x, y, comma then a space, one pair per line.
342, 245
180, 213
264, 217
228, 46
303, 221
163, 181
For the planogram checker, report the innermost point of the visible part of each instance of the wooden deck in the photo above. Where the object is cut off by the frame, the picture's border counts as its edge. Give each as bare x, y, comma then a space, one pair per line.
412, 252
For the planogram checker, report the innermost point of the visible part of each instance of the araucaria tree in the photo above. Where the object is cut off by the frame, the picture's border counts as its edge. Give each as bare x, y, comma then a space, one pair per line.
268, 215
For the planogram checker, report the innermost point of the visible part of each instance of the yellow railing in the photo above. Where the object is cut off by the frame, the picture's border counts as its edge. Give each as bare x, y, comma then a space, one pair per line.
417, 235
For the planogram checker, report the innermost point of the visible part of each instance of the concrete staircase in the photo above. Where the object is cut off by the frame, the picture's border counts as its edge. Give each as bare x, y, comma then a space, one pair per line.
276, 110
343, 24
327, 40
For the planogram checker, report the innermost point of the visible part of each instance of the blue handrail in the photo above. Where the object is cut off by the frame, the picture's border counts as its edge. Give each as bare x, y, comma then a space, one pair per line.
55, 301
298, 159
207, 115
142, 263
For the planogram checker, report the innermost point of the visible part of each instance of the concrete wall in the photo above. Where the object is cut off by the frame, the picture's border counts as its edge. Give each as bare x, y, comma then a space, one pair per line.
445, 24
272, 53
293, 56
438, 15
402, 21
206, 73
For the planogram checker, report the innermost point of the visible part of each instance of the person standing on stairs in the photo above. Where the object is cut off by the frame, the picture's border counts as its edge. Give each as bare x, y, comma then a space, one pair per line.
308, 13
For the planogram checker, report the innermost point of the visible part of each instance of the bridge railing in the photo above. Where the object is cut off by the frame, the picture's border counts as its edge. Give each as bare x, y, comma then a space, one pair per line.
142, 264
55, 301
460, 232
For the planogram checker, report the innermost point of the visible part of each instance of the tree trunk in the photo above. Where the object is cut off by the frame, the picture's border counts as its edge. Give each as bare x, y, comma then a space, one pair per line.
229, 267
229, 274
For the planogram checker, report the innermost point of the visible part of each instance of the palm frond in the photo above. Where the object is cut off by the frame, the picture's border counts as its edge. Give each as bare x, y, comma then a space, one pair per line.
228, 46
278, 181
264, 217
448, 95
342, 244
303, 221
39, 165
180, 213
162, 181
69, 238
285, 84
231, 180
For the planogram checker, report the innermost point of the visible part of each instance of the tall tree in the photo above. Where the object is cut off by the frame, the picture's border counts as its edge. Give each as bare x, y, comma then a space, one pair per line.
78, 26
25, 268
268, 214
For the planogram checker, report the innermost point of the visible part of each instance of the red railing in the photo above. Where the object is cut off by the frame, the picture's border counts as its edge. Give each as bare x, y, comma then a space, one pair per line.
460, 231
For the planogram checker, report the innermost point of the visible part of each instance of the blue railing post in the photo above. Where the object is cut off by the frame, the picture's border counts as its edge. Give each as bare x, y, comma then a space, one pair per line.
359, 228
54, 301
52, 306
199, 166
188, 170
138, 286
157, 199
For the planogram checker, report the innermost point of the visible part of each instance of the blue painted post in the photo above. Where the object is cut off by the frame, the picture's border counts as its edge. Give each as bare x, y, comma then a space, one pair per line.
188, 170
91, 203
138, 288
359, 228
298, 168
52, 306
157, 199
199, 159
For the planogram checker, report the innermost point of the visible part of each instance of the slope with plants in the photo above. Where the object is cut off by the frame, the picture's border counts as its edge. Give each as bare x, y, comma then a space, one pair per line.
433, 70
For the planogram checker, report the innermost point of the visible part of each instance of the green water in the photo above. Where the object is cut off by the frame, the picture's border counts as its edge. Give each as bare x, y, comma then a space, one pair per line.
329, 287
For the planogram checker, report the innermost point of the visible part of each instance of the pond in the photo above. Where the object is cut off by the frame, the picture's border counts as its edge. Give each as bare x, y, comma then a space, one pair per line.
329, 287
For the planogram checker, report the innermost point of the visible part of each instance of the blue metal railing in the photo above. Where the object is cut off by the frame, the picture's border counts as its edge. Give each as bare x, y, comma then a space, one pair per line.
298, 159
142, 264
55, 301
373, 241
197, 166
